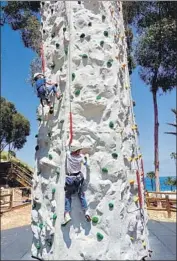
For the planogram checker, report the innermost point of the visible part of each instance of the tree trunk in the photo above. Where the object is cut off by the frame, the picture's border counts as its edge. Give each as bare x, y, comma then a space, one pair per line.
156, 141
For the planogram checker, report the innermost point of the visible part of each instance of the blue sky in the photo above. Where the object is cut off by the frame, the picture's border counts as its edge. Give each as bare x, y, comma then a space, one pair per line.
15, 69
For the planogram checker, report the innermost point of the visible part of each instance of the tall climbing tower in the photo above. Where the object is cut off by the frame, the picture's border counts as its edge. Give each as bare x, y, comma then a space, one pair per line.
84, 51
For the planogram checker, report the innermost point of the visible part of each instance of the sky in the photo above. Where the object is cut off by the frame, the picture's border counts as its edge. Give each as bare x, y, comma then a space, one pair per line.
15, 62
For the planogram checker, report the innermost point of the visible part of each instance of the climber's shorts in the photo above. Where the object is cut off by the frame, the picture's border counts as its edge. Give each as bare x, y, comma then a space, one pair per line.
73, 183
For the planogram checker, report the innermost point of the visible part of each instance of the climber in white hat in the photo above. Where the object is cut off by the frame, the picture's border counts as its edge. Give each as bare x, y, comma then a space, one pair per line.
43, 90
74, 180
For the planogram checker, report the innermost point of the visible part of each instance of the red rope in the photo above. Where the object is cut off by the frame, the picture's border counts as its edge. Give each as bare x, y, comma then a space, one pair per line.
139, 188
43, 60
71, 128
142, 169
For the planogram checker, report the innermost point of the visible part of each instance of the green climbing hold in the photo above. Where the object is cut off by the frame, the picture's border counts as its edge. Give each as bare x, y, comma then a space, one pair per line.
41, 225
90, 24
101, 43
39, 119
99, 236
61, 69
39, 172
57, 45
73, 76
111, 205
43, 31
62, 121
52, 66
58, 172
111, 124
36, 135
98, 97
34, 206
49, 134
82, 35
66, 51
79, 2
104, 170
85, 56
106, 33
53, 190
64, 29
38, 246
77, 92
53, 35
55, 216
95, 219
109, 63
50, 157
103, 17
37, 148
114, 155
49, 242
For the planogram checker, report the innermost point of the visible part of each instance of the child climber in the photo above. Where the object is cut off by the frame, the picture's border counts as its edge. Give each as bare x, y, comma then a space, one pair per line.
44, 91
74, 180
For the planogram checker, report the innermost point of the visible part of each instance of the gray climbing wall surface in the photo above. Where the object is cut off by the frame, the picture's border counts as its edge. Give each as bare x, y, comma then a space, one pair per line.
85, 53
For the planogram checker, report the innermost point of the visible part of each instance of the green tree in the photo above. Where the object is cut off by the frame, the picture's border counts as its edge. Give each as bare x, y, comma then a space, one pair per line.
14, 127
24, 17
155, 54
151, 176
170, 182
173, 124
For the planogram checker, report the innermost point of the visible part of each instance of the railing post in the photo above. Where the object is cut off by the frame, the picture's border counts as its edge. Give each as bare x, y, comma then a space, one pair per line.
168, 206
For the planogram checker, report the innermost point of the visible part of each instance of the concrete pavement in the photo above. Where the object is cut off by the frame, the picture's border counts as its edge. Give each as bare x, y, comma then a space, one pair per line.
16, 242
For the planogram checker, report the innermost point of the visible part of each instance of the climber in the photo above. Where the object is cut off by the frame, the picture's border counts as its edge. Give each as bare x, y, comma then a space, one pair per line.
44, 91
74, 181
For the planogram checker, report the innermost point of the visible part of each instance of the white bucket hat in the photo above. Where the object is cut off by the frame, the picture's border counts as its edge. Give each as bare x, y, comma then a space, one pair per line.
37, 74
75, 146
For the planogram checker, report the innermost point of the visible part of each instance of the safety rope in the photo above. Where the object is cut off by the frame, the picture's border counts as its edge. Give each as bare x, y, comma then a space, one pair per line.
69, 71
42, 59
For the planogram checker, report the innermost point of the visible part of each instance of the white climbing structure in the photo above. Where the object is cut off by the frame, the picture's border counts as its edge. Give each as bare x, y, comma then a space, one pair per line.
84, 47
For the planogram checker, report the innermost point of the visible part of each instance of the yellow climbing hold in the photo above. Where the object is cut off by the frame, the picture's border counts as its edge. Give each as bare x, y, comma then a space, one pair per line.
136, 158
132, 238
130, 159
139, 156
144, 243
131, 182
123, 65
126, 86
135, 199
134, 127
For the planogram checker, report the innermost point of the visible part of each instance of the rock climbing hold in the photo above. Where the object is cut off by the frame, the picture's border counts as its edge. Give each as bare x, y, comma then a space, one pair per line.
36, 135
101, 43
134, 127
139, 156
144, 244
62, 121
64, 29
50, 156
51, 11
34, 206
39, 119
114, 155
98, 97
53, 190
73, 76
126, 86
53, 35
134, 103
106, 33
49, 242
41, 225
82, 35
57, 45
99, 236
95, 219
103, 18
111, 124
58, 172
136, 158
49, 134
38, 173
131, 182
52, 66
37, 148
89, 24
61, 69
54, 216
43, 31
79, 2
132, 238
130, 159
111, 205
66, 51
109, 63
135, 199
77, 92
104, 170
85, 56
38, 246
123, 65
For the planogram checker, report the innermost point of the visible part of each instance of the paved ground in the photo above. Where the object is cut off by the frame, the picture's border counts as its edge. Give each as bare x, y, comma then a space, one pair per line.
16, 242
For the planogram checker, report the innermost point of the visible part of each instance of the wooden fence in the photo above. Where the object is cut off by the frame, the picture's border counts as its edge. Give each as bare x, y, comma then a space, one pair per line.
167, 201
14, 198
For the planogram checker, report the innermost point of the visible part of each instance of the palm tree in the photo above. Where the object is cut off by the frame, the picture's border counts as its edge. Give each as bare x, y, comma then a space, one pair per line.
151, 176
173, 124
170, 182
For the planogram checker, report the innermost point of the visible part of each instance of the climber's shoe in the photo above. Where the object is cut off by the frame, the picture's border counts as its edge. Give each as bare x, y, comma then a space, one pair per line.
66, 219
59, 97
51, 110
88, 218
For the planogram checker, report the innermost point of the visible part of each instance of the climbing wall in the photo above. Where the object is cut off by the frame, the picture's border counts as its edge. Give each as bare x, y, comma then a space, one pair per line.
84, 51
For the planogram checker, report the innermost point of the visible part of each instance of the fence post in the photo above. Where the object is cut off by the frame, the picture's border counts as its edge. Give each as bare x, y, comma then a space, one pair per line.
168, 206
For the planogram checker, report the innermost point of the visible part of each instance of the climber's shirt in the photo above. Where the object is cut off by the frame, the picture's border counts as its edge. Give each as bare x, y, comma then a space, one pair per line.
40, 83
74, 163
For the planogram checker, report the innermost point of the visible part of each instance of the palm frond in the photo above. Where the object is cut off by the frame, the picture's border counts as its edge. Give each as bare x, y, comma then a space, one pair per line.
174, 133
